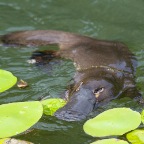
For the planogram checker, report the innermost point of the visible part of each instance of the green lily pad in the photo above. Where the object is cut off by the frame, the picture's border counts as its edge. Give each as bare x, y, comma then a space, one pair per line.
13, 141
50, 106
7, 80
115, 121
18, 117
110, 141
136, 137
3, 141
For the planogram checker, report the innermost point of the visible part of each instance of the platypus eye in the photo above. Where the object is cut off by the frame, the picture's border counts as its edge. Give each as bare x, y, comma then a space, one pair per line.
98, 90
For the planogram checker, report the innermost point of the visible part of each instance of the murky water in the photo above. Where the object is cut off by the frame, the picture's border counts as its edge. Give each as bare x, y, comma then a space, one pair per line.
121, 20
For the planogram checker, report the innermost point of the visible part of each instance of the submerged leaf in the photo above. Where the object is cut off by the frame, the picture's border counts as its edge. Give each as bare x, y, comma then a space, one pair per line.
110, 141
50, 106
115, 121
136, 136
7, 80
18, 117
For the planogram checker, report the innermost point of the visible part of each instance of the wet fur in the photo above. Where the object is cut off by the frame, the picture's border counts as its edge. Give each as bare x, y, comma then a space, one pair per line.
92, 58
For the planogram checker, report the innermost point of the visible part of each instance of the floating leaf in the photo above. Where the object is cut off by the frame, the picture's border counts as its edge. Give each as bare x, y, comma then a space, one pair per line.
136, 136
110, 141
7, 80
18, 117
113, 122
50, 106
22, 84
13, 141
3, 141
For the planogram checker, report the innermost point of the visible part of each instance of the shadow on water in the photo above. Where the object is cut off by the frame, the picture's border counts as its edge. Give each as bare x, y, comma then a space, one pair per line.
105, 19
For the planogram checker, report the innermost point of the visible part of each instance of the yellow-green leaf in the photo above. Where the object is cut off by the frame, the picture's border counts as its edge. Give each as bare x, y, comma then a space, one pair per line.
110, 141
18, 117
7, 80
50, 106
136, 136
115, 121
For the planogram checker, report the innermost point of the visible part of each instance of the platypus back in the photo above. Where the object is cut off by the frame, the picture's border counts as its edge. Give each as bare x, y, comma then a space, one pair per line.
86, 52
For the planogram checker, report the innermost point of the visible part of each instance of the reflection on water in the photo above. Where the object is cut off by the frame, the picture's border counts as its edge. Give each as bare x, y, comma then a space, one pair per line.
105, 19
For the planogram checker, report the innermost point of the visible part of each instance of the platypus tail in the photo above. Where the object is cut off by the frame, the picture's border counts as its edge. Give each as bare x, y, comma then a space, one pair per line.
42, 38
64, 40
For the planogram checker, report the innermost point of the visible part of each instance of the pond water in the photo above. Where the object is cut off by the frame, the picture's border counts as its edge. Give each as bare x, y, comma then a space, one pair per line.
121, 20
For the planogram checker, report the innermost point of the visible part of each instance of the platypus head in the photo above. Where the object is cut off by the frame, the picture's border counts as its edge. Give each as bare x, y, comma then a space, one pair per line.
88, 94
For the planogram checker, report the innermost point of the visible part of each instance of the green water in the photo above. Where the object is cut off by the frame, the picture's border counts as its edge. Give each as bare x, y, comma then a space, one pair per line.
121, 20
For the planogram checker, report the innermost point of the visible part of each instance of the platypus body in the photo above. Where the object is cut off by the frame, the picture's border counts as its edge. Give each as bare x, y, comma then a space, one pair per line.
104, 69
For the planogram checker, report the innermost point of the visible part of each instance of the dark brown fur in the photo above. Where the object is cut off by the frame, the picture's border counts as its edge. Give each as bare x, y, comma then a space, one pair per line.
110, 64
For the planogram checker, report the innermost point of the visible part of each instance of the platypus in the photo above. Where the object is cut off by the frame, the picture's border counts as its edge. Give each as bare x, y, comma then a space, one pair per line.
104, 69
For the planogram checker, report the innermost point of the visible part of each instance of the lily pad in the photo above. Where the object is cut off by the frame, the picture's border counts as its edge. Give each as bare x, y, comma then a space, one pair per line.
115, 121
110, 141
136, 137
18, 117
3, 141
50, 106
7, 80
